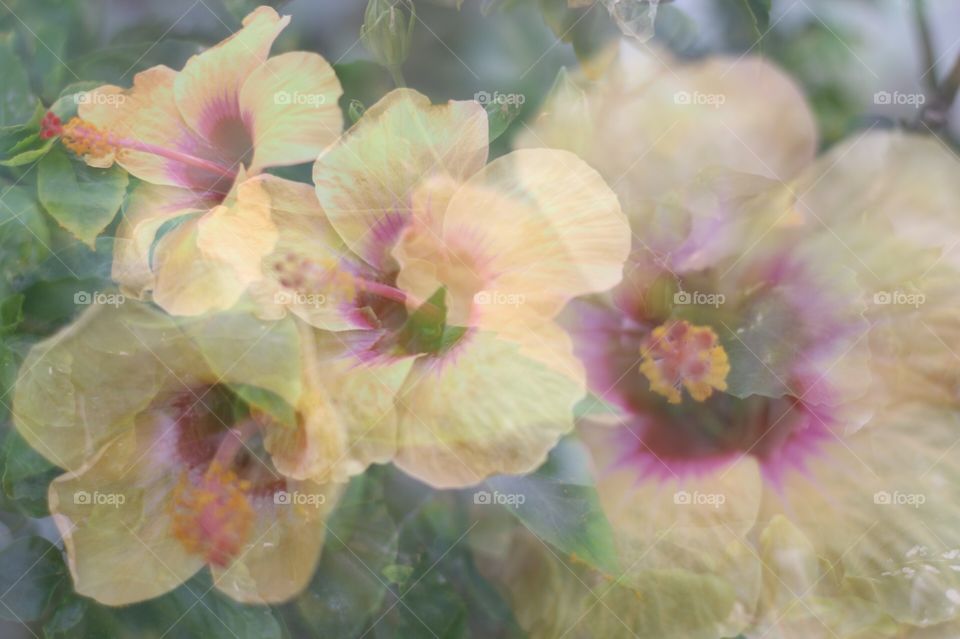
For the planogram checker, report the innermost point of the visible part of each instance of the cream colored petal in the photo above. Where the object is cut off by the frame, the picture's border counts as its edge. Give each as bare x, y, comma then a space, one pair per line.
487, 407
147, 114
84, 386
114, 516
346, 415
208, 88
150, 207
290, 103
657, 121
284, 546
881, 508
306, 269
365, 183
695, 524
207, 263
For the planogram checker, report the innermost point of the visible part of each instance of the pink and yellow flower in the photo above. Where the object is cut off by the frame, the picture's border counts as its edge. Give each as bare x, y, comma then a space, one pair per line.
163, 475
192, 137
480, 380
776, 354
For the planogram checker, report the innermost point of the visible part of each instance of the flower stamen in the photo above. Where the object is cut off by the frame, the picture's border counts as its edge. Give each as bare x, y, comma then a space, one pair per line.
680, 355
86, 139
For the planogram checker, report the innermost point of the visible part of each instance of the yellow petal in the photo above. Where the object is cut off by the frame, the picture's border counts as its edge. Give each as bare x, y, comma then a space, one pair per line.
207, 263
284, 546
365, 183
147, 113
83, 386
290, 102
114, 518
490, 406
656, 122
537, 228
208, 88
150, 207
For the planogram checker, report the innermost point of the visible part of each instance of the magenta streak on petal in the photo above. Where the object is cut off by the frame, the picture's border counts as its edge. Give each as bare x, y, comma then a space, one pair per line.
382, 237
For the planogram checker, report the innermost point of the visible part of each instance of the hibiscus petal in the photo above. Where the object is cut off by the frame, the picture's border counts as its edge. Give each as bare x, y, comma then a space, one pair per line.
488, 406
114, 517
284, 547
365, 183
289, 104
208, 88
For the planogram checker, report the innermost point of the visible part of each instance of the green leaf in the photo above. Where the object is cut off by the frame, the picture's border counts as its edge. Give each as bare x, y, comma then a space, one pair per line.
26, 475
560, 505
16, 100
82, 199
361, 545
31, 568
269, 402
426, 331
501, 115
24, 238
11, 314
200, 610
21, 144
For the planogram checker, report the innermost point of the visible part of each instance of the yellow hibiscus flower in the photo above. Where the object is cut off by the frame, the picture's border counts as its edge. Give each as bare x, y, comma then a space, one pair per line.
192, 137
779, 357
163, 475
481, 381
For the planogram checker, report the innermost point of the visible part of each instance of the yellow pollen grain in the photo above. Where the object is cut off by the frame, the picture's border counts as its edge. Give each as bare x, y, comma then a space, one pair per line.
213, 517
679, 355
86, 140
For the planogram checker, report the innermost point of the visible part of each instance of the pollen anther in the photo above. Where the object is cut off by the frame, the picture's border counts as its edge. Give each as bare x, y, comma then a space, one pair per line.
212, 516
680, 355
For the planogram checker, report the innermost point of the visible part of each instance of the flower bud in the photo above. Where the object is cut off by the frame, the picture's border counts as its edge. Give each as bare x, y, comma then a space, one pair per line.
387, 30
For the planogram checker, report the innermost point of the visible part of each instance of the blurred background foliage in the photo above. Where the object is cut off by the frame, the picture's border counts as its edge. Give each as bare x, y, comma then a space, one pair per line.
397, 561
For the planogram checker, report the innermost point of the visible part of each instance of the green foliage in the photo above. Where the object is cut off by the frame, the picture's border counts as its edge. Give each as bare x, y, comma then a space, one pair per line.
31, 569
82, 199
561, 506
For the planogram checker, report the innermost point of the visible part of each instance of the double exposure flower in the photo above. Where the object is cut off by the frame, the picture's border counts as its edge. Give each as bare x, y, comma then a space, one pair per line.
440, 275
192, 137
164, 471
780, 454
